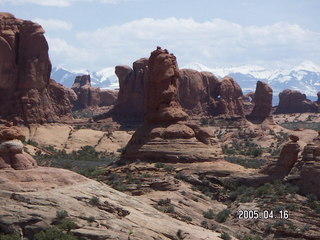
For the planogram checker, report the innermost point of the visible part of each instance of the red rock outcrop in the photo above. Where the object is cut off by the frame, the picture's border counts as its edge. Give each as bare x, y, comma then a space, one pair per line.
89, 96
288, 157
309, 169
131, 98
198, 93
162, 93
196, 89
165, 136
203, 93
262, 103
62, 95
11, 150
24, 74
229, 101
293, 101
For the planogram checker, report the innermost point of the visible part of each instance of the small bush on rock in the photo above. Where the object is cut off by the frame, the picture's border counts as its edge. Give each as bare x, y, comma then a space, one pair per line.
54, 234
209, 214
62, 214
222, 216
10, 237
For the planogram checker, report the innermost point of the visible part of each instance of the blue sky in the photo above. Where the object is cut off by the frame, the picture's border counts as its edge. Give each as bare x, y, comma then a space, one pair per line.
94, 34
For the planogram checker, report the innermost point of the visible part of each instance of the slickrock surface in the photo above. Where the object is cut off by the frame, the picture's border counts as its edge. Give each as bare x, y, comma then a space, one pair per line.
30, 199
165, 136
70, 139
25, 86
11, 150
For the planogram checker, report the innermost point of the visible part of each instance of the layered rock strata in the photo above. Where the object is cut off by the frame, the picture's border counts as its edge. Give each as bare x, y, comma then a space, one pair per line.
166, 136
25, 75
11, 150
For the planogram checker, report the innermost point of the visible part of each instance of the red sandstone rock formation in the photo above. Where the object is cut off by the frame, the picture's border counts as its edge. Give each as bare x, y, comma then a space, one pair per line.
11, 150
198, 92
24, 75
90, 96
293, 101
262, 102
162, 94
196, 89
307, 175
131, 98
63, 96
288, 157
203, 93
165, 136
229, 101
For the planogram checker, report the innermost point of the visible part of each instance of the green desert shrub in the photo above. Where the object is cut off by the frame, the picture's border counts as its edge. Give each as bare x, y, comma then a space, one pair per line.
225, 236
90, 219
61, 214
222, 216
94, 201
164, 205
246, 162
250, 237
209, 214
54, 233
67, 225
163, 202
10, 237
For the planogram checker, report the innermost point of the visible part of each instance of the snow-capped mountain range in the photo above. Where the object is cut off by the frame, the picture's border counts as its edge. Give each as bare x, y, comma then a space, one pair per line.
105, 78
304, 77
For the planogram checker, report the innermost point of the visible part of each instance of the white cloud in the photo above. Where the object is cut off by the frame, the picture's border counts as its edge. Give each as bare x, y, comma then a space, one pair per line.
215, 42
65, 54
53, 24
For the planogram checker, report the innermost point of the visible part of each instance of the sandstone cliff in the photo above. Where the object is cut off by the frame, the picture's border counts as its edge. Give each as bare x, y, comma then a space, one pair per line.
131, 99
25, 87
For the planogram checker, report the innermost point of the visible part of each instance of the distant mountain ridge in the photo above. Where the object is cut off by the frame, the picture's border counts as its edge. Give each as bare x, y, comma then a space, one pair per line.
304, 77
105, 78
